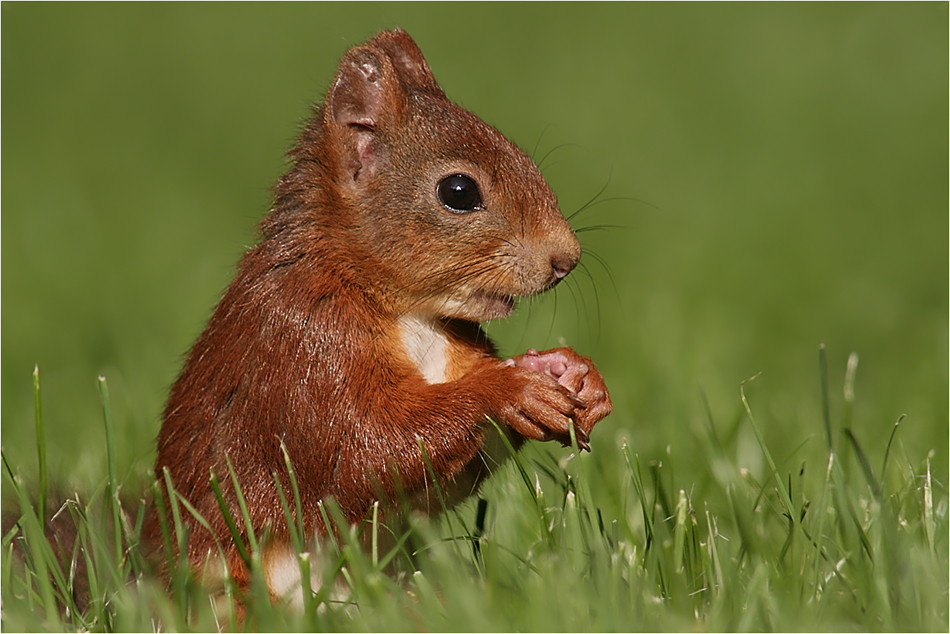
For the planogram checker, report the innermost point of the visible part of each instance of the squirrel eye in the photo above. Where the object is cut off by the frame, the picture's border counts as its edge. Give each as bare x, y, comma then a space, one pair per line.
460, 193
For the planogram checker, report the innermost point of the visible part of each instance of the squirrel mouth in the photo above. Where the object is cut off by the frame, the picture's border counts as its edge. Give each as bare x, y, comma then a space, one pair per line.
475, 305
493, 305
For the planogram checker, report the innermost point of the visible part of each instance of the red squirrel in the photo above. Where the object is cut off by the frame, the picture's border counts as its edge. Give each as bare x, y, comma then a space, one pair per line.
351, 334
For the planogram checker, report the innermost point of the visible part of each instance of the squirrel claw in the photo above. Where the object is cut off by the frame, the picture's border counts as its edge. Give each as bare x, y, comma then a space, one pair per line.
583, 440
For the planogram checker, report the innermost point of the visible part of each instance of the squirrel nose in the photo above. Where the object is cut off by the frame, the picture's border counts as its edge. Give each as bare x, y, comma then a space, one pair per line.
562, 264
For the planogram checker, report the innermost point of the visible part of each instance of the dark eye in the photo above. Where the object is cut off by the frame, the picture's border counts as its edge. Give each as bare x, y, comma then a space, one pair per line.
460, 193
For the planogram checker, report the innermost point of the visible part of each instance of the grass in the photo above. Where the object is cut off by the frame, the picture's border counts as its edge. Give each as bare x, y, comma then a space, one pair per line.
816, 540
772, 176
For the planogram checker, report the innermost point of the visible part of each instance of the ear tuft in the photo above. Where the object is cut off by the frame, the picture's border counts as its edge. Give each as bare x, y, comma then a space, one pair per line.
357, 97
408, 60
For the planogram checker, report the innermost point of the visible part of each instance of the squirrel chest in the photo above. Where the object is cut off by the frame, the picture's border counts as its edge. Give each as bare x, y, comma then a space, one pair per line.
426, 346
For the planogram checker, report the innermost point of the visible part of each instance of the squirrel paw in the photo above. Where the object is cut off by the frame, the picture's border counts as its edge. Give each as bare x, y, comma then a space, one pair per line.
542, 409
579, 375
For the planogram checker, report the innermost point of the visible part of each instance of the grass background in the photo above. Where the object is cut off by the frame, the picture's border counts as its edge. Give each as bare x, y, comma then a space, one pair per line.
778, 174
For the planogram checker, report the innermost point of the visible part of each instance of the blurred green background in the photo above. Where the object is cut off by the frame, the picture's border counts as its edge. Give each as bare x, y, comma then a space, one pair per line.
778, 171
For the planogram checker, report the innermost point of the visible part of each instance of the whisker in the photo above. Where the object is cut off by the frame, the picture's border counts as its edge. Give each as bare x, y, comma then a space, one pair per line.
455, 275
590, 202
511, 244
465, 270
574, 287
529, 309
598, 228
603, 264
537, 144
598, 316
593, 203
552, 151
600, 260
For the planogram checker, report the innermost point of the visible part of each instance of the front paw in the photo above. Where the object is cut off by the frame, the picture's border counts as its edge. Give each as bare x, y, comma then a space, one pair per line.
541, 408
579, 375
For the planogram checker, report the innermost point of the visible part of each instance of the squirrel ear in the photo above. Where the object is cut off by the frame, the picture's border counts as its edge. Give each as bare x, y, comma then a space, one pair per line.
357, 97
371, 90
408, 60
361, 96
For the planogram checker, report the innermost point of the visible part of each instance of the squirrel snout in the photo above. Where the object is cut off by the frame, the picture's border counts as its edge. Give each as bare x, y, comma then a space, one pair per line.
564, 252
562, 264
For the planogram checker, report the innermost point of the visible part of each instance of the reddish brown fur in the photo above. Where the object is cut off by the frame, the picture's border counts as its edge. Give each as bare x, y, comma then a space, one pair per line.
304, 347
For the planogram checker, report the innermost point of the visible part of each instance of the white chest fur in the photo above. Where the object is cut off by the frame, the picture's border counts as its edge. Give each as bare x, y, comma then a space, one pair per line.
427, 346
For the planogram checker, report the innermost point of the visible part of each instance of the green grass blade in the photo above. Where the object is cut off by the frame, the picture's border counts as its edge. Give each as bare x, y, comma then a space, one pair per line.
773, 470
529, 485
295, 488
48, 574
887, 450
112, 487
161, 511
645, 507
535, 491
450, 518
329, 525
40, 443
242, 505
679, 532
229, 520
374, 528
825, 399
178, 568
930, 526
865, 464
298, 540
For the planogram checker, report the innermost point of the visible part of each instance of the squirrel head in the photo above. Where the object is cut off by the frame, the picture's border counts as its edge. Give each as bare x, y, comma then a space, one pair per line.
457, 216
